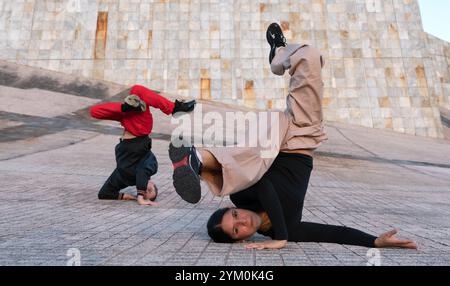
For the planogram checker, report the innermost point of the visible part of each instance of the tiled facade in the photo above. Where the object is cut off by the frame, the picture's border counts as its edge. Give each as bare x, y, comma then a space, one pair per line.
382, 70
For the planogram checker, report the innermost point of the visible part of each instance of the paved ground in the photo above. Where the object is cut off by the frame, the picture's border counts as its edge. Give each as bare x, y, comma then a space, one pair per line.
52, 165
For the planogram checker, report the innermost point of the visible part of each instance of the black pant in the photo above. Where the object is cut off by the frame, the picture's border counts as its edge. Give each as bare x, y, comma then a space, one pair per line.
135, 165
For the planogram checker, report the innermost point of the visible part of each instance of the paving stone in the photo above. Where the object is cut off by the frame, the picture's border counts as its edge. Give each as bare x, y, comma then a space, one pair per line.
50, 206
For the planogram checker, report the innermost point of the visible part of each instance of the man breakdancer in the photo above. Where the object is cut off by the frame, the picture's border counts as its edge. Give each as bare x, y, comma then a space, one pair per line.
135, 161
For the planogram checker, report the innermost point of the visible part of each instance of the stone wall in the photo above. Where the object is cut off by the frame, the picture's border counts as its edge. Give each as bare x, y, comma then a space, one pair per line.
439, 72
382, 70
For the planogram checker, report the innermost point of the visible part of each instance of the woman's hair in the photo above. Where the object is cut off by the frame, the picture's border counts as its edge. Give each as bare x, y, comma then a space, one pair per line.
215, 230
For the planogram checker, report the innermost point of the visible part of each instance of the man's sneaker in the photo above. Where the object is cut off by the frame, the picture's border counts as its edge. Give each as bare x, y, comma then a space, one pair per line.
275, 38
186, 172
182, 106
134, 103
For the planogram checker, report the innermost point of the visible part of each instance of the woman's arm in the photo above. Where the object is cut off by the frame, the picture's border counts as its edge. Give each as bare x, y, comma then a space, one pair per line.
314, 232
270, 202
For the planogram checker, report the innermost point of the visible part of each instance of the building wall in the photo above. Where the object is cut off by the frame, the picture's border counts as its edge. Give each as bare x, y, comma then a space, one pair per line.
382, 70
439, 71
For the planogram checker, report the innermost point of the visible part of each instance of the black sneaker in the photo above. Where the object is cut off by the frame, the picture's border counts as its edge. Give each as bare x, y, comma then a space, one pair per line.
275, 38
186, 172
182, 106
133, 103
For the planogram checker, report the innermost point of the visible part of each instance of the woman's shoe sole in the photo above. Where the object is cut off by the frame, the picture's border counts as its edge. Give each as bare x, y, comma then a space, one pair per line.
185, 179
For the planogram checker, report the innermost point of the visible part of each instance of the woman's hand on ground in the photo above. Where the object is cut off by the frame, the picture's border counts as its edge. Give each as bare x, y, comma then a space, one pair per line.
143, 202
389, 240
270, 244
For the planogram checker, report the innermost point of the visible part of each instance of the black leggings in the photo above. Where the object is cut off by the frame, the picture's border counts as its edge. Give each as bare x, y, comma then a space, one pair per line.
135, 165
291, 173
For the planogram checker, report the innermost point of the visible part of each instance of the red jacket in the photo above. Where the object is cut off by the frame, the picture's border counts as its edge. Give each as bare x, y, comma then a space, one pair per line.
137, 123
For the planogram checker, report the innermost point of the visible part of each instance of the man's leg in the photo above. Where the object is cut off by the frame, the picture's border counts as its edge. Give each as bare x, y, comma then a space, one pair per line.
155, 100
111, 188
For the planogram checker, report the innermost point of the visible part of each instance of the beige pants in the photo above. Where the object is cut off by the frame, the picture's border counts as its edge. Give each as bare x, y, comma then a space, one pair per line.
300, 126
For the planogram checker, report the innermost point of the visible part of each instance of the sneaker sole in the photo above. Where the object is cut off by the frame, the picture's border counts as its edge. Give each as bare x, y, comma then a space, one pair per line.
185, 180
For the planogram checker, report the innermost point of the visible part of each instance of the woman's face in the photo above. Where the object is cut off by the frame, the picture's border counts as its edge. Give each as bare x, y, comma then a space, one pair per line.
240, 224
